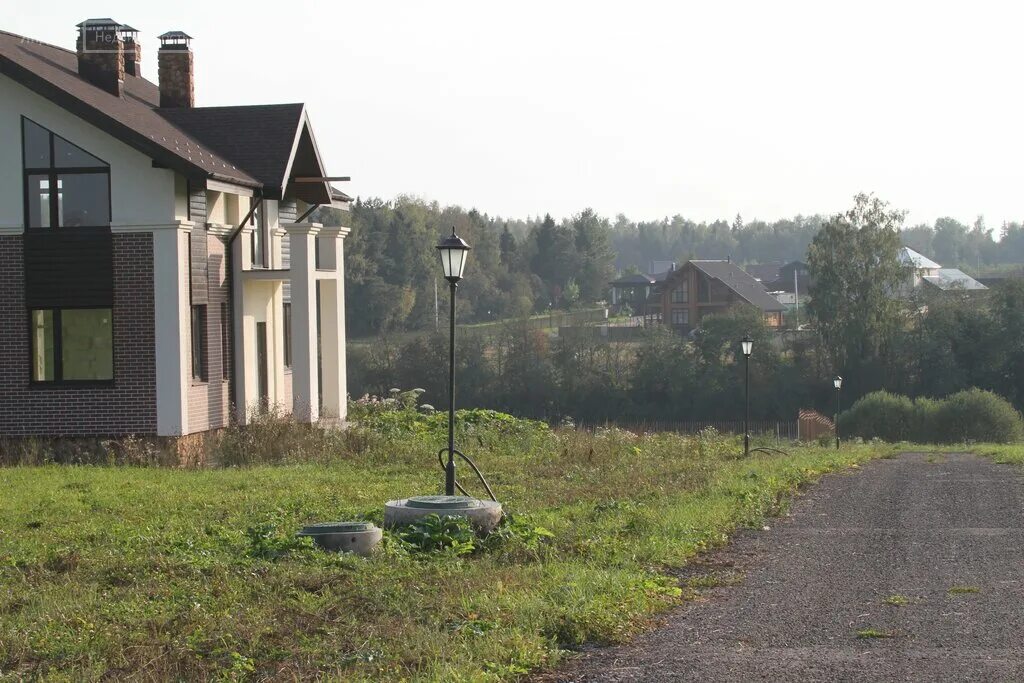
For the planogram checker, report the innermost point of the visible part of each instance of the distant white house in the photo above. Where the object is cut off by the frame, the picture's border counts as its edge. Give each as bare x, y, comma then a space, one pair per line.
928, 273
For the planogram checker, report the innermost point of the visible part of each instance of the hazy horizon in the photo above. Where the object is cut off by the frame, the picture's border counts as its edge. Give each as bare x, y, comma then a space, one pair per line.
706, 111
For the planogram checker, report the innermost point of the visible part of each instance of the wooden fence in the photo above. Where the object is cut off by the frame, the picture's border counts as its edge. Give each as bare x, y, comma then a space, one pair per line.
814, 425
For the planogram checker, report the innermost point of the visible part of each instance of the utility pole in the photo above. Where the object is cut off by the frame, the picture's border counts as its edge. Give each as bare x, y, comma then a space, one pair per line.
796, 296
437, 320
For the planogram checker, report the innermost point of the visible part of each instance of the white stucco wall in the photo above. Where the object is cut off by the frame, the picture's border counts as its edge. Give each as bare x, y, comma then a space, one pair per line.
140, 194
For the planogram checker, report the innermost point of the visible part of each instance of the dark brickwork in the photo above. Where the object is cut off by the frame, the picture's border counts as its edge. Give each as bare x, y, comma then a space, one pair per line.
128, 405
208, 402
175, 67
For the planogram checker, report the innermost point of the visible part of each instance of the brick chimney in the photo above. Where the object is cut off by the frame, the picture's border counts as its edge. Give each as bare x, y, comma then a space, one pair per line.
101, 54
132, 51
175, 66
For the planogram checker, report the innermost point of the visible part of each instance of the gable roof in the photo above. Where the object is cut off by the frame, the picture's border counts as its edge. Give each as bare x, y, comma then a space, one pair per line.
765, 272
52, 72
740, 282
953, 278
910, 257
263, 139
254, 146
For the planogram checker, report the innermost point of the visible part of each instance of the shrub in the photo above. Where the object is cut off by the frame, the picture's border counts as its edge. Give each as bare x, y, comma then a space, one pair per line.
887, 416
977, 415
972, 415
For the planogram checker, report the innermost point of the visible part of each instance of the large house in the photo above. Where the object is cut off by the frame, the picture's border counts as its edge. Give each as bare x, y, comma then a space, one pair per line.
701, 288
158, 269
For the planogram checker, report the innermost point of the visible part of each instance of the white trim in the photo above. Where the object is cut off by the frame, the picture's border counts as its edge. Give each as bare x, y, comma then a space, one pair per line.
220, 229
336, 231
303, 228
12, 230
121, 228
171, 296
230, 188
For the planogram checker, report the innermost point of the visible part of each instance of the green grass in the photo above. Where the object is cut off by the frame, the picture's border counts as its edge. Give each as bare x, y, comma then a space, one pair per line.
896, 600
135, 572
962, 590
868, 633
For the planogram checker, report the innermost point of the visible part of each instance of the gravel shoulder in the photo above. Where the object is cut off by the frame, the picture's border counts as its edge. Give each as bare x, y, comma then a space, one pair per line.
941, 534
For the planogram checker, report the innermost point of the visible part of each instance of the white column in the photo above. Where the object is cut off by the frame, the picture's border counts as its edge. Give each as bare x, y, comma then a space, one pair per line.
171, 281
332, 324
243, 350
305, 398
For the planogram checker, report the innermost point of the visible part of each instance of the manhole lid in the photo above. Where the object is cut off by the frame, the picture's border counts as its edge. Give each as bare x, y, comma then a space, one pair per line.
442, 503
335, 528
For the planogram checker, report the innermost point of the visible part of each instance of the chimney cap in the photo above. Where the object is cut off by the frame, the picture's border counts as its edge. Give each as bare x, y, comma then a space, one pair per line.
174, 37
99, 24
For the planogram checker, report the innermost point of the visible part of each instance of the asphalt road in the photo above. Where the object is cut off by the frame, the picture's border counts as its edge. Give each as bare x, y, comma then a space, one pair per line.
916, 526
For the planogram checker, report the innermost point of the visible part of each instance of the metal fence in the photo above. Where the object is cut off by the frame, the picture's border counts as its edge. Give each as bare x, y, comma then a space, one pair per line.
781, 430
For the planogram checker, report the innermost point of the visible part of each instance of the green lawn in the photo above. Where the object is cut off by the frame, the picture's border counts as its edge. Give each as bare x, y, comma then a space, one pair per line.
117, 572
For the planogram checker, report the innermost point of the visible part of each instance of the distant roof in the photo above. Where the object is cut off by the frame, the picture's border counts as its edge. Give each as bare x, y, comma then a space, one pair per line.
765, 272
910, 257
741, 282
952, 278
633, 280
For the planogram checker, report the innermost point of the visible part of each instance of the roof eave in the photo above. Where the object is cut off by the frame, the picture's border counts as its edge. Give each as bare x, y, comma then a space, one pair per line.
108, 124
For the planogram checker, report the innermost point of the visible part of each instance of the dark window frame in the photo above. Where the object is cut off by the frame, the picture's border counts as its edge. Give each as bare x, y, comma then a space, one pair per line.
286, 317
260, 238
53, 173
198, 336
225, 340
58, 349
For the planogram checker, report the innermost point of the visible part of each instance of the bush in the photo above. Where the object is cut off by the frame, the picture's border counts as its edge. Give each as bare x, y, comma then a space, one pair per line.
977, 415
972, 415
887, 416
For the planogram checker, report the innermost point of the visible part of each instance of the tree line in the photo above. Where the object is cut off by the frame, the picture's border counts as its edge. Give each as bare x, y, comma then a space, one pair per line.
532, 265
867, 325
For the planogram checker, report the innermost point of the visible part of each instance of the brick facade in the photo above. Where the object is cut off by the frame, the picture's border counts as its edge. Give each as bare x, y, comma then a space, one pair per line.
209, 401
128, 406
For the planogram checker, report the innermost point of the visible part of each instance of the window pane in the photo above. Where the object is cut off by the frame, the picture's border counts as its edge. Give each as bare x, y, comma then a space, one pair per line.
199, 343
84, 199
87, 344
67, 155
42, 346
37, 145
38, 201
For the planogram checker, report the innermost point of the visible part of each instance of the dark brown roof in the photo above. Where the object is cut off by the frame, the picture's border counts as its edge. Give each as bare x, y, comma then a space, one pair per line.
258, 138
741, 282
53, 73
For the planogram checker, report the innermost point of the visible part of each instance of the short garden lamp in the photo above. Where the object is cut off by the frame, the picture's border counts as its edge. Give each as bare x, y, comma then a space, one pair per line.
747, 346
838, 384
453, 251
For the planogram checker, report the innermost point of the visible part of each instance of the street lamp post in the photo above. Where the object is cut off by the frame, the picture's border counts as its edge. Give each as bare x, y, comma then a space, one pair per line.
838, 384
747, 346
453, 251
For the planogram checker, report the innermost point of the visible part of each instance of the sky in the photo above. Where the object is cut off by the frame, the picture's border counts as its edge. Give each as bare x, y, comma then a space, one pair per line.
650, 109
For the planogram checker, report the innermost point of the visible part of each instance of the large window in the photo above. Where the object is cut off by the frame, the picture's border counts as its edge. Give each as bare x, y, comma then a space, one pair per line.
72, 344
199, 373
680, 317
65, 186
681, 294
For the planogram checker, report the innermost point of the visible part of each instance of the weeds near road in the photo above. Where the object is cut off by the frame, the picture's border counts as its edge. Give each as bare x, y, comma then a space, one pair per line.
896, 600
